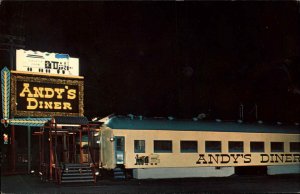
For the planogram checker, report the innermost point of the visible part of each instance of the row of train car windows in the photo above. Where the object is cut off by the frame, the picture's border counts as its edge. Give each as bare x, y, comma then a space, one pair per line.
165, 146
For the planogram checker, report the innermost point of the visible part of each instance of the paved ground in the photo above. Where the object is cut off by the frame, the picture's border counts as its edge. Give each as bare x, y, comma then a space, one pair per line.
236, 184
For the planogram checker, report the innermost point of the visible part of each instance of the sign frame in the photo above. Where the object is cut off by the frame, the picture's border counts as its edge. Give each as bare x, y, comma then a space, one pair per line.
49, 79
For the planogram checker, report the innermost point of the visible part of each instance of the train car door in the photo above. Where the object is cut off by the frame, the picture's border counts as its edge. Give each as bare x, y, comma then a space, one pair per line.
119, 149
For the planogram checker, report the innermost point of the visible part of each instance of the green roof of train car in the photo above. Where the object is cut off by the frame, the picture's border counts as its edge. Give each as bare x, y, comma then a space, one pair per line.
123, 122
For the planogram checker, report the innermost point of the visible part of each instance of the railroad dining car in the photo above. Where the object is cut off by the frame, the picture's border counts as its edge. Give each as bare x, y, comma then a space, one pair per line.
164, 148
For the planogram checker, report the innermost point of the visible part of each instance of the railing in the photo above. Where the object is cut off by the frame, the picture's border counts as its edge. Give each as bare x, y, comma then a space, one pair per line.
93, 167
58, 169
44, 172
90, 156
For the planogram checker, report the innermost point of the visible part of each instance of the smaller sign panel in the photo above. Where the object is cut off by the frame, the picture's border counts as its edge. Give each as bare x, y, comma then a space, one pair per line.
46, 96
5, 138
49, 63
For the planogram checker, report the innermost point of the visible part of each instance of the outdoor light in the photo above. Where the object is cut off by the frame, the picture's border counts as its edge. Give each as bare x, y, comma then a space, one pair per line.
96, 134
40, 173
95, 119
97, 173
32, 171
112, 139
106, 122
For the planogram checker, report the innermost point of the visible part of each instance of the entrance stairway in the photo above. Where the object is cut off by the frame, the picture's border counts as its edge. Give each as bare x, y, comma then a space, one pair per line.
119, 174
77, 173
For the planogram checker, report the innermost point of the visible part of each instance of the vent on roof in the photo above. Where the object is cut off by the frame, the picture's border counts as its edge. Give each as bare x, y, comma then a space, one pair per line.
170, 118
201, 116
241, 112
279, 123
131, 116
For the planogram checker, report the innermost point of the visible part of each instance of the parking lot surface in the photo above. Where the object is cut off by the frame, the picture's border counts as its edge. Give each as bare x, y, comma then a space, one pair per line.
235, 184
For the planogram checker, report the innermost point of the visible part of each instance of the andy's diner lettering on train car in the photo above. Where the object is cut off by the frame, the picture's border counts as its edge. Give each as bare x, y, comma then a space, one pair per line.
228, 158
223, 158
247, 158
280, 158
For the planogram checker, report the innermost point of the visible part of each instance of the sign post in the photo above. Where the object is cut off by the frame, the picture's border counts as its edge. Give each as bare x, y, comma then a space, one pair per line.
29, 148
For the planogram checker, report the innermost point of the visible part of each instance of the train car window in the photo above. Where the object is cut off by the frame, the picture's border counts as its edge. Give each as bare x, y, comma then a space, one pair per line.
294, 146
162, 146
257, 146
188, 146
139, 146
213, 146
236, 146
277, 147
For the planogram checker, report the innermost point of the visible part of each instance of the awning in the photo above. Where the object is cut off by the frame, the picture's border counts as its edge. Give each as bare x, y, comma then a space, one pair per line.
69, 121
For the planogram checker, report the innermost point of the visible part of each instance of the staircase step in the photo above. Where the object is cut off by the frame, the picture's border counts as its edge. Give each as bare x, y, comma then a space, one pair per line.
76, 164
77, 167
118, 173
77, 174
77, 181
76, 177
119, 177
77, 170
117, 169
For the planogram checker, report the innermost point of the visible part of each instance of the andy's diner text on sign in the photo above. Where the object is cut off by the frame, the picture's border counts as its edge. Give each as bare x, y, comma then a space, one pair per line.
46, 96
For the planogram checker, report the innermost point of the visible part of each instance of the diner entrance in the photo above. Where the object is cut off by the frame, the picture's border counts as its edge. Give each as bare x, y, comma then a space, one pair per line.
66, 150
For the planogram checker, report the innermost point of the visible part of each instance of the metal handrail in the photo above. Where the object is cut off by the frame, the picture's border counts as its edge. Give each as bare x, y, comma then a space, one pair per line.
90, 156
94, 164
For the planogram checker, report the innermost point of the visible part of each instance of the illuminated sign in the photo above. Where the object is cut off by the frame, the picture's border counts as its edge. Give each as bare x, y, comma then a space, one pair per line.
49, 63
46, 96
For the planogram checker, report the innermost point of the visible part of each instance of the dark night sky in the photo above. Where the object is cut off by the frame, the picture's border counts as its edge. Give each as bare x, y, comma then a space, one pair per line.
172, 58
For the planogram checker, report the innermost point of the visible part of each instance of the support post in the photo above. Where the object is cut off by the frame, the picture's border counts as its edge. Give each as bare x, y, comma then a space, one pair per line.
29, 149
56, 155
13, 149
74, 149
40, 151
80, 146
89, 139
51, 155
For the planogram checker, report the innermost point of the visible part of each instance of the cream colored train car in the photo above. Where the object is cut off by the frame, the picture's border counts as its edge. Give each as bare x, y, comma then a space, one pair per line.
162, 148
